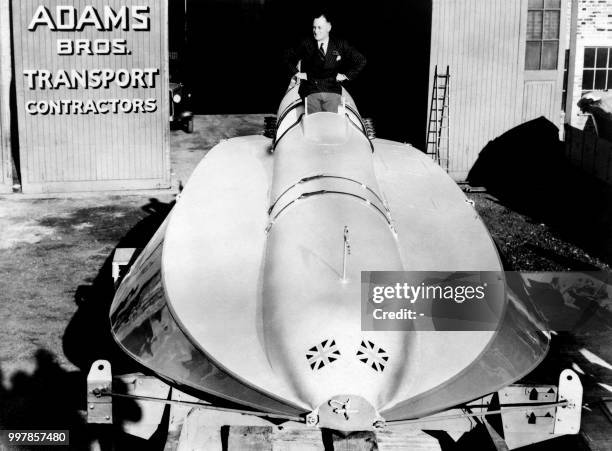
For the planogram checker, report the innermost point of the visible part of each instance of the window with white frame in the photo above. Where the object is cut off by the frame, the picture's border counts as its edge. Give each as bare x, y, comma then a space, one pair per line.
597, 69
543, 21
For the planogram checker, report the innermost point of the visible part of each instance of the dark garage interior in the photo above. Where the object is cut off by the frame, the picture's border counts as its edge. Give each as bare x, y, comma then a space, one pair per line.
230, 54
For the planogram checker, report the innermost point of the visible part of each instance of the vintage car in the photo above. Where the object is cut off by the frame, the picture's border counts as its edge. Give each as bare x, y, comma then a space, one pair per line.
180, 115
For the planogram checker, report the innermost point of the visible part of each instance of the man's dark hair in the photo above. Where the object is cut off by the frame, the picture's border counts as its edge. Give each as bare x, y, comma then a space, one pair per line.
322, 13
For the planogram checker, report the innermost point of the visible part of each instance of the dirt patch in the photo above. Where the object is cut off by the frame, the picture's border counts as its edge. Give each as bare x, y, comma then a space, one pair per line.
22, 233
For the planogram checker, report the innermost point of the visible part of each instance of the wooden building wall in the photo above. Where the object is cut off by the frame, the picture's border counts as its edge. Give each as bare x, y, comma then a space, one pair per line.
483, 42
78, 151
6, 176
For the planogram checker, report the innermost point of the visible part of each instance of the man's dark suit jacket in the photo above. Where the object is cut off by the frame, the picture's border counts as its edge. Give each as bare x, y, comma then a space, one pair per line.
341, 58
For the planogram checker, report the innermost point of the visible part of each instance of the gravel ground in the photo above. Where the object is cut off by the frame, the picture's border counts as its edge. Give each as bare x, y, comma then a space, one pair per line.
528, 245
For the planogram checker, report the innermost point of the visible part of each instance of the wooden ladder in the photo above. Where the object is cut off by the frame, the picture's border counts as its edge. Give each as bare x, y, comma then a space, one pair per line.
438, 125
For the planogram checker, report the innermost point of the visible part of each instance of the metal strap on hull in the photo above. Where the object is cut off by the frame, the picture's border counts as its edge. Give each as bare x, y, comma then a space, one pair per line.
322, 192
291, 127
202, 405
320, 176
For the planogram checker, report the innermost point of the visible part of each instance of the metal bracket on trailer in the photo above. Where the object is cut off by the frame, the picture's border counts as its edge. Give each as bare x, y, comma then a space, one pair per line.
99, 387
568, 417
533, 424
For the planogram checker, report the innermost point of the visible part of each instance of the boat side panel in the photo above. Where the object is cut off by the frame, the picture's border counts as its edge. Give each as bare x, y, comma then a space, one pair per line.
213, 258
144, 327
518, 347
439, 230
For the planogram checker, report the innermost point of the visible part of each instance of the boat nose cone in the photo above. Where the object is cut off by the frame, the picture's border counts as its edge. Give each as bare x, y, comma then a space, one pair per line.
348, 413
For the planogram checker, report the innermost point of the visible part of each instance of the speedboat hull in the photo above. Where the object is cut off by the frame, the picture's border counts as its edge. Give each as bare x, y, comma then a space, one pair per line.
245, 292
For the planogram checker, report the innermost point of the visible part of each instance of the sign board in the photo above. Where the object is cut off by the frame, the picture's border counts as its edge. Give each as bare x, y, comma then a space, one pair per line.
92, 94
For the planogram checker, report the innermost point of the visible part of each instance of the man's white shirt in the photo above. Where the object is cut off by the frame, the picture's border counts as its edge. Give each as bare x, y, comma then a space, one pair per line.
325, 44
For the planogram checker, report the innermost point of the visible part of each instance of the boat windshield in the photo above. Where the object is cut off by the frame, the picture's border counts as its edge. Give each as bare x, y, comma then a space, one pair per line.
294, 108
329, 102
333, 103
324, 101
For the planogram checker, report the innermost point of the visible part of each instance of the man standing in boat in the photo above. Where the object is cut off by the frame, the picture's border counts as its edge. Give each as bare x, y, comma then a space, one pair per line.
324, 63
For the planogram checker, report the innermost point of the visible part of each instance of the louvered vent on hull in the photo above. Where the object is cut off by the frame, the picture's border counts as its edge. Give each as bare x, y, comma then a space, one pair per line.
372, 355
322, 354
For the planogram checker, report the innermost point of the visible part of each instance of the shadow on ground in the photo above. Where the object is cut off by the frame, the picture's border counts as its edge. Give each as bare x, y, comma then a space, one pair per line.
87, 337
51, 397
527, 171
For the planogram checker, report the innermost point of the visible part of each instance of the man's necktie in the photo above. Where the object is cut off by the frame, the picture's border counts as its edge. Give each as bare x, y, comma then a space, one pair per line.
321, 52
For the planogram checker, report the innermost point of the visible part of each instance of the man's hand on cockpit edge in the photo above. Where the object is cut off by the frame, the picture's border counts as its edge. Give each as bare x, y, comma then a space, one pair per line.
341, 77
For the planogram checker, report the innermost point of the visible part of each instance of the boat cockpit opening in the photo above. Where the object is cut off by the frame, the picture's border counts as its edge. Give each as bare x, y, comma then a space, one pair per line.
297, 109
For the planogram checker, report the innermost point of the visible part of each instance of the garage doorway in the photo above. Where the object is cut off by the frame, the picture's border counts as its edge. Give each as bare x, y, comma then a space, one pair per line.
230, 54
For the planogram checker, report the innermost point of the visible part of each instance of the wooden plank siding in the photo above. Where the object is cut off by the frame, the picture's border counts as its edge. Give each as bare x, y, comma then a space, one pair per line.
88, 152
483, 43
6, 170
539, 100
